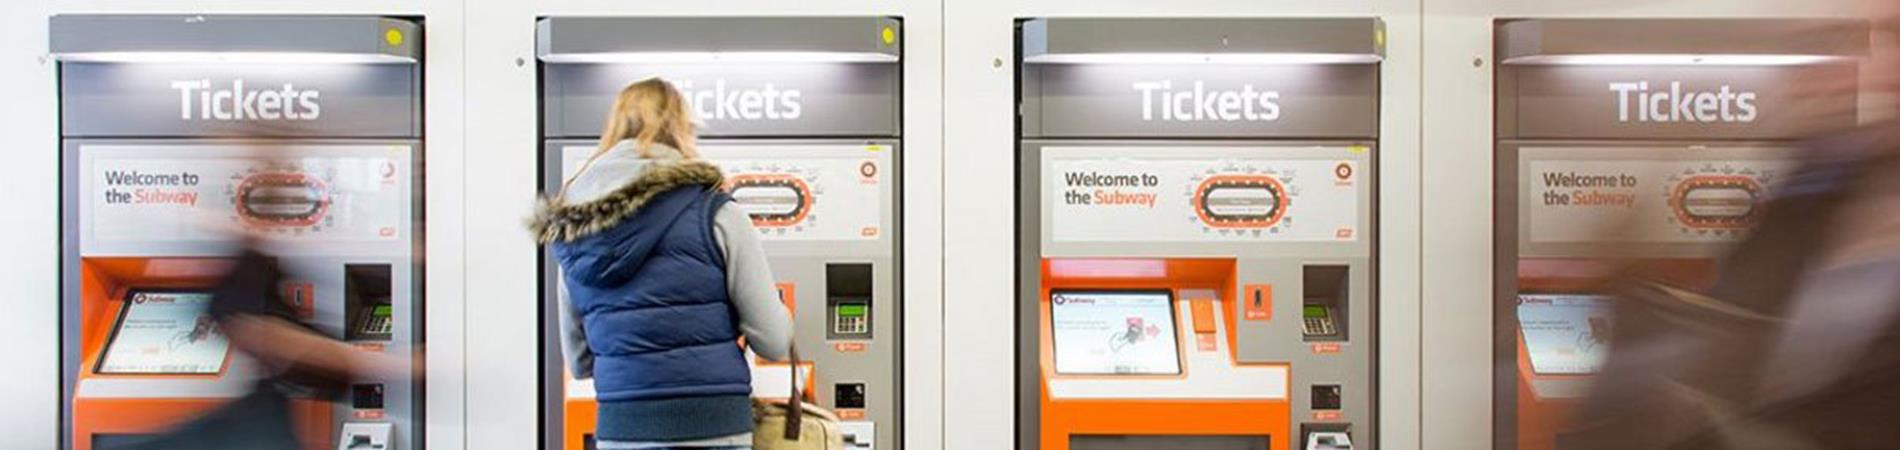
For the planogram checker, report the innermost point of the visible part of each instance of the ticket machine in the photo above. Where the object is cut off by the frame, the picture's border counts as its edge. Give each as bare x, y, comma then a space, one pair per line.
802, 115
1642, 142
178, 131
1198, 225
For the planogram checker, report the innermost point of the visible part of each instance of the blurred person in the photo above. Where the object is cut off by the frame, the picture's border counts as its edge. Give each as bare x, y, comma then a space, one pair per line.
662, 275
248, 308
1797, 344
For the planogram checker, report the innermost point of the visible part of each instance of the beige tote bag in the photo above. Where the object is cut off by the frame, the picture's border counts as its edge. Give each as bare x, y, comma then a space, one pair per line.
777, 426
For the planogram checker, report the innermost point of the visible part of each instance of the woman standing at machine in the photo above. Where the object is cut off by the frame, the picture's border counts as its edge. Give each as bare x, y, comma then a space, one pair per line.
661, 276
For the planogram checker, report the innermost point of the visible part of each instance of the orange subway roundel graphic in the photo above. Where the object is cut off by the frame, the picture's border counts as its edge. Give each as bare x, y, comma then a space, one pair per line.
773, 200
282, 199
1240, 201
1716, 202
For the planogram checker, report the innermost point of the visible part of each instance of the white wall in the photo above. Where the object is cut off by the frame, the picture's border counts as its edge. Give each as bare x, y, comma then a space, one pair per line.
30, 233
1457, 144
502, 297
979, 275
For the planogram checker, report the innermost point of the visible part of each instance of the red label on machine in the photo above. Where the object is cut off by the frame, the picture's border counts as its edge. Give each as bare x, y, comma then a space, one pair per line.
850, 414
1258, 304
1205, 342
788, 294
302, 297
1327, 416
369, 347
1326, 348
367, 414
848, 347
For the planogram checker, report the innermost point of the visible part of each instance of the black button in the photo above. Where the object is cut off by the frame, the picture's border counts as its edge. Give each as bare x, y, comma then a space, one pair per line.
366, 396
1326, 396
848, 396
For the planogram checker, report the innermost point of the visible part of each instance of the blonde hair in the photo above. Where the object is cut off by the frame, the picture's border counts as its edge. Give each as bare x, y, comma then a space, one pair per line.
647, 112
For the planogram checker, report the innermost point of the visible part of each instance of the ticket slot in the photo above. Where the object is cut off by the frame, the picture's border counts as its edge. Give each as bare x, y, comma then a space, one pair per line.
848, 299
367, 302
1325, 302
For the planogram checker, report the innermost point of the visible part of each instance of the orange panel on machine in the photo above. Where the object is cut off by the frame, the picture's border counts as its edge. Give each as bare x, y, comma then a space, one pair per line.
579, 422
1203, 315
104, 282
1541, 420
1136, 416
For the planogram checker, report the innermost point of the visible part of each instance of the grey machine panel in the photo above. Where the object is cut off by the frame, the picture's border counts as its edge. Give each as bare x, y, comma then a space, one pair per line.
178, 86
1535, 40
776, 105
1632, 113
148, 33
1279, 264
760, 99
1097, 36
559, 37
773, 100
1675, 102
240, 100
1113, 100
803, 264
1119, 108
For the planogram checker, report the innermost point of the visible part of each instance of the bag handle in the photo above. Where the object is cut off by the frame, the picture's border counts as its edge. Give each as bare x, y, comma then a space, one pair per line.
795, 416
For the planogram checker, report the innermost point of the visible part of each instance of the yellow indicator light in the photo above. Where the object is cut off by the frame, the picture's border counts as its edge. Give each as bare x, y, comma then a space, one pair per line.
393, 37
889, 35
1378, 38
1357, 149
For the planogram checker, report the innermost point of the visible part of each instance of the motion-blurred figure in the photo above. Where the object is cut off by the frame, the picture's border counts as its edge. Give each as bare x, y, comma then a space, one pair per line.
248, 308
1797, 346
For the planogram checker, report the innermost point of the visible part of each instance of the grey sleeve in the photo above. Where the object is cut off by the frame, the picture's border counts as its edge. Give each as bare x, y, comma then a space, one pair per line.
580, 359
762, 316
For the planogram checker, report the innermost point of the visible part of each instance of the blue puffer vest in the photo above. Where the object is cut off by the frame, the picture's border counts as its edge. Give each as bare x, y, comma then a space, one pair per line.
644, 270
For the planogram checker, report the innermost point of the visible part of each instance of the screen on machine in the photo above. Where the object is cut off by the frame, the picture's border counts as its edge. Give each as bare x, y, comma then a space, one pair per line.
1565, 334
165, 333
1114, 333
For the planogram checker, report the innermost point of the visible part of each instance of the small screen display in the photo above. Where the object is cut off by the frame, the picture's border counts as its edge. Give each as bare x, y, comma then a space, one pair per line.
850, 310
1565, 334
165, 333
380, 311
1314, 312
1114, 333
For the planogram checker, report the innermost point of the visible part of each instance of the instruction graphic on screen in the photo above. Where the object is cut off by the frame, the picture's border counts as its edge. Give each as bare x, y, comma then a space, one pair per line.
1692, 201
796, 192
155, 193
1566, 334
165, 333
1103, 199
1114, 333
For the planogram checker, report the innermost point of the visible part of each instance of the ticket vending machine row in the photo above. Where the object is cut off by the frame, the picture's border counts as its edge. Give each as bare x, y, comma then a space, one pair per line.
1197, 206
1643, 142
177, 131
802, 115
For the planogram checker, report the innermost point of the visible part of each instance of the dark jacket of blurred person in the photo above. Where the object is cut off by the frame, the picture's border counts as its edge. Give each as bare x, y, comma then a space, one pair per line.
1797, 345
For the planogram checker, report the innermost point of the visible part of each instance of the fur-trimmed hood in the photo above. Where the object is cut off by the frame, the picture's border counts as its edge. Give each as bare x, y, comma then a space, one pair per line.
556, 221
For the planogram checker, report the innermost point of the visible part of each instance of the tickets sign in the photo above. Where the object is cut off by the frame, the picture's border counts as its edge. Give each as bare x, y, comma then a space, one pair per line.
1209, 199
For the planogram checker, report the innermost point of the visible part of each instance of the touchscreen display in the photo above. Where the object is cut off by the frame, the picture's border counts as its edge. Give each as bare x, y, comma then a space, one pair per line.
165, 333
1565, 334
1114, 333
